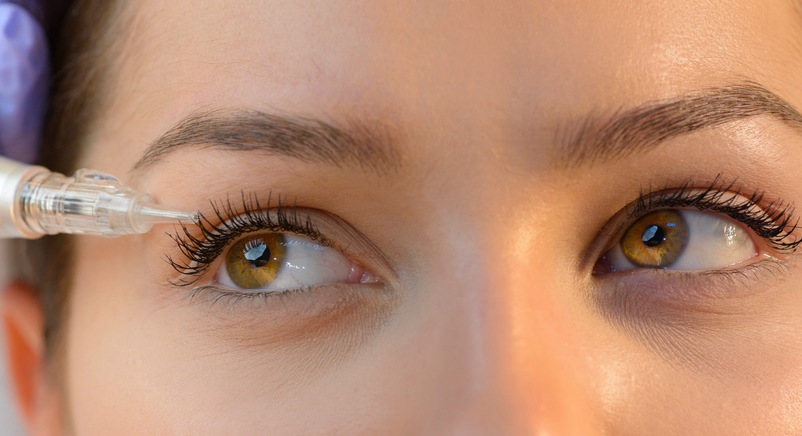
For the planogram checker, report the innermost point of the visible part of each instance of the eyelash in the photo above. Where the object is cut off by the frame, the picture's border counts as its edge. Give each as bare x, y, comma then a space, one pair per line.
775, 222
201, 251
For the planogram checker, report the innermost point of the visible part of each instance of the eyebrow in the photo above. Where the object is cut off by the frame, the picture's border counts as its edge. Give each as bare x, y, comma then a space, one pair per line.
637, 130
369, 147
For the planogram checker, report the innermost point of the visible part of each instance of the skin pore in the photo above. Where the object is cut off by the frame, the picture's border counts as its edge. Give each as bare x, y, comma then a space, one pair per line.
450, 176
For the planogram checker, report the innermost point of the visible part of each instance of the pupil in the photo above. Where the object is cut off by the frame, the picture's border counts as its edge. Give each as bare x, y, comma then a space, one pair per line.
653, 236
257, 254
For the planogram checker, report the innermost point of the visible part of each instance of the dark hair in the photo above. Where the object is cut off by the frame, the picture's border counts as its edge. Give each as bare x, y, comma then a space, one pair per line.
79, 54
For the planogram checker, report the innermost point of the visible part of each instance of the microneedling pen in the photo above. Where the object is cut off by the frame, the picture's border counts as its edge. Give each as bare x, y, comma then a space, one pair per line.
36, 202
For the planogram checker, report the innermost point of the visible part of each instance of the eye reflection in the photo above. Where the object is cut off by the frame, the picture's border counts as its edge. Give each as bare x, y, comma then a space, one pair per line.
685, 240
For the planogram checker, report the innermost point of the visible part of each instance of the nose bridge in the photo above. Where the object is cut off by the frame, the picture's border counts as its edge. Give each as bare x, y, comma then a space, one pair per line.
541, 358
525, 361
531, 373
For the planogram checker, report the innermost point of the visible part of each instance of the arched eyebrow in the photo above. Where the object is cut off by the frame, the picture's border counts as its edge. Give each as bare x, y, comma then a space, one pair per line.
627, 132
369, 147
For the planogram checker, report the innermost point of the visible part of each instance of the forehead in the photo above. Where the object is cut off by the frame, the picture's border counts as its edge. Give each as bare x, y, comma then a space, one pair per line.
442, 66
419, 42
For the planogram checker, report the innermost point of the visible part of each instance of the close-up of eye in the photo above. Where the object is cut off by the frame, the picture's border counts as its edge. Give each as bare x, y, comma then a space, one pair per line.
275, 262
251, 249
699, 230
683, 240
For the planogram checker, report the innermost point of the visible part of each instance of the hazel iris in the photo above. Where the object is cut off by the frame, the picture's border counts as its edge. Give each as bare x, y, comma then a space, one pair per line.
255, 261
656, 240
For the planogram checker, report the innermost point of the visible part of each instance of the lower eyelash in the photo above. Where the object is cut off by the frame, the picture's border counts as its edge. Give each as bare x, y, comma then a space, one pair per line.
199, 252
217, 295
763, 268
775, 222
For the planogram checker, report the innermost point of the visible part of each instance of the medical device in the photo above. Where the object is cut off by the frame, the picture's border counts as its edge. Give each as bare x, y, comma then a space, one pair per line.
35, 201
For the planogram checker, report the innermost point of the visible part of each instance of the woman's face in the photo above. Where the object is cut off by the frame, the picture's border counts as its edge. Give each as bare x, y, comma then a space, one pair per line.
465, 230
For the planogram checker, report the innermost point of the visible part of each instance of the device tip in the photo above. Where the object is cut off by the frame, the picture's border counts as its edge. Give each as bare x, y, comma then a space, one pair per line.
156, 214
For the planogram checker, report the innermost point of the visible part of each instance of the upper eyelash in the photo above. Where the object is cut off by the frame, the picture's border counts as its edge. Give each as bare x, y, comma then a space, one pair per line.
199, 252
775, 222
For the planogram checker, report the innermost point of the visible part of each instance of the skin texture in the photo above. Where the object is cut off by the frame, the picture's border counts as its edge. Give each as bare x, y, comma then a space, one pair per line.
489, 320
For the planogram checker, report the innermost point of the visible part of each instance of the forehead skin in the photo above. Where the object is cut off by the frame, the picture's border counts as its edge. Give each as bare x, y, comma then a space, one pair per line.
496, 69
492, 335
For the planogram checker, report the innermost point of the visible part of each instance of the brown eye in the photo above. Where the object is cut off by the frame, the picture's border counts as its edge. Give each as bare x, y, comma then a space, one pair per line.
255, 261
273, 262
656, 240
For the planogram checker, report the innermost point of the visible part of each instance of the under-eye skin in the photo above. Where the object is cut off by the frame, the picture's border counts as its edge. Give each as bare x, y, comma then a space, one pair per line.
698, 230
256, 250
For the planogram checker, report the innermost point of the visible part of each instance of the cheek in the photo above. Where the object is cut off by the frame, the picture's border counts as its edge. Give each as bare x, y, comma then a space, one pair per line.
111, 346
162, 365
128, 348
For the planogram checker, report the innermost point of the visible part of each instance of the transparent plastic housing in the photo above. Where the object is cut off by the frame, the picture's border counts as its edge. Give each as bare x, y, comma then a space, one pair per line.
90, 202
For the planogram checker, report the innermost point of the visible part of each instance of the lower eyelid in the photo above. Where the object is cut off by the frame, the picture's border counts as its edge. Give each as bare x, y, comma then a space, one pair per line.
288, 305
293, 317
683, 316
695, 290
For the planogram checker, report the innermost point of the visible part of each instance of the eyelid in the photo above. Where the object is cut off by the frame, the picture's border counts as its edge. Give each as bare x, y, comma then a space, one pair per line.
716, 197
202, 243
715, 291
318, 225
773, 221
693, 241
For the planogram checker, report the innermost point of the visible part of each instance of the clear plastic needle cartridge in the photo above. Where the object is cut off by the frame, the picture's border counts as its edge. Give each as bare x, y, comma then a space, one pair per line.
36, 202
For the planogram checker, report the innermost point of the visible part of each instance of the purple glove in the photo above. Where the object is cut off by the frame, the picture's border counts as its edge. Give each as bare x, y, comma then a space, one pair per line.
24, 76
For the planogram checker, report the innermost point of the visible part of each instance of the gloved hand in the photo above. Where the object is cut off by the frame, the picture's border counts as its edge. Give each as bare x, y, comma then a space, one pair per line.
24, 74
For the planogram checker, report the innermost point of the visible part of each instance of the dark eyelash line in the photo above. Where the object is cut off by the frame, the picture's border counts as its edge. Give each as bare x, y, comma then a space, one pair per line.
775, 222
200, 251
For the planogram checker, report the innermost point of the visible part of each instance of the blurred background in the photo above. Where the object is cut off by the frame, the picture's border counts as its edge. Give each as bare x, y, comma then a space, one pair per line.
9, 425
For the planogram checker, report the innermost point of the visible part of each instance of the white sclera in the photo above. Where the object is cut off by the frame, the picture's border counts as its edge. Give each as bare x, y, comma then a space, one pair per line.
306, 263
715, 241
